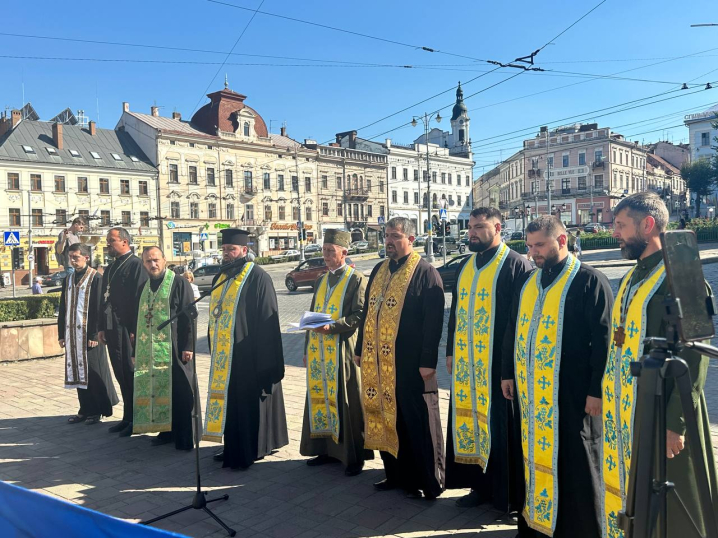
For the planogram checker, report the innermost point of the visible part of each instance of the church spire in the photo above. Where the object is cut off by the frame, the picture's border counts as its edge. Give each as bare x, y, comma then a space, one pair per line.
459, 107
226, 82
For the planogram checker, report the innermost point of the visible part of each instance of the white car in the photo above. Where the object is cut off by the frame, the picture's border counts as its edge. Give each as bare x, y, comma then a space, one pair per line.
286, 255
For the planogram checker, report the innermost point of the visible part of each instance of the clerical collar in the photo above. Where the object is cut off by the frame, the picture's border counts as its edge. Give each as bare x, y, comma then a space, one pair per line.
79, 273
649, 262
394, 265
550, 274
155, 283
486, 255
124, 256
339, 270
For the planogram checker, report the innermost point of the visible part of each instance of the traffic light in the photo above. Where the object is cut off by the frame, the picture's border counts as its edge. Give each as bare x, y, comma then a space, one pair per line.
447, 228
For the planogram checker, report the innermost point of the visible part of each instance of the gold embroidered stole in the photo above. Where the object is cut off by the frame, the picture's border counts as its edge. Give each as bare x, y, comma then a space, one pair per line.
77, 305
537, 360
152, 408
378, 367
473, 351
324, 356
223, 308
619, 392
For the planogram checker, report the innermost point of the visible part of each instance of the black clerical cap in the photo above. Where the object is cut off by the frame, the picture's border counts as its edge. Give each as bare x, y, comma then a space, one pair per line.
235, 236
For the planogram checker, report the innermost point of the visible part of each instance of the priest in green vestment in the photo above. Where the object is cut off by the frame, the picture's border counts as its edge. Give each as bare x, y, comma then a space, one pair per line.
333, 425
638, 221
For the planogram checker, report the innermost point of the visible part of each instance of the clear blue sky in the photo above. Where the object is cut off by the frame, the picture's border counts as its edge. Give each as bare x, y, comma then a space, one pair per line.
318, 101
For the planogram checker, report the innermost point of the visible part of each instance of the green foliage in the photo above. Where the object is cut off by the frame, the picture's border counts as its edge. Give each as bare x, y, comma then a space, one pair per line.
700, 177
29, 307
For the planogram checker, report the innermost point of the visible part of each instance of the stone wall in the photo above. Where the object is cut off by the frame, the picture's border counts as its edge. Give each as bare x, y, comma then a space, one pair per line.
30, 339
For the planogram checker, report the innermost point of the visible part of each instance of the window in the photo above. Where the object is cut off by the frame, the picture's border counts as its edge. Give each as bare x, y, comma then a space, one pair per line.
468, 179
172, 142
340, 209
598, 155
381, 210
266, 182
95, 155
598, 181
615, 156
210, 177
339, 183
60, 217
393, 172
458, 200
13, 181
125, 186
116, 156
193, 210
566, 185
325, 209
549, 160
144, 191
104, 185
296, 214
126, 218
295, 184
104, 218
51, 151
209, 147
620, 156
307, 184
35, 182
368, 184
193, 175
416, 198
381, 186
406, 197
85, 214
705, 139
229, 209
37, 217
582, 183
564, 161
76, 153
134, 159
416, 175
28, 149
228, 179
443, 178
582, 159
248, 213
282, 212
308, 213
191, 144
14, 214
174, 210
248, 186
325, 182
267, 212
144, 219
246, 128
433, 177
405, 174
174, 174
280, 182
449, 179
59, 183
211, 210
369, 210
82, 184
393, 197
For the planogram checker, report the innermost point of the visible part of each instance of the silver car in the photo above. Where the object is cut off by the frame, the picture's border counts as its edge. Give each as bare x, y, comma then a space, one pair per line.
203, 276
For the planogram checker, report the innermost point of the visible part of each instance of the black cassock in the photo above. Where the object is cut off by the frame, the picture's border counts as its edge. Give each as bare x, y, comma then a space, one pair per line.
500, 484
183, 332
256, 423
125, 276
420, 462
584, 350
99, 396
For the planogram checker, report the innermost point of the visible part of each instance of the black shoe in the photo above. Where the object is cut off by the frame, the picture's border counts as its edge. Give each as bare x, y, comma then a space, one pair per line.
413, 494
127, 431
471, 500
320, 460
431, 496
354, 470
162, 439
385, 485
219, 456
121, 425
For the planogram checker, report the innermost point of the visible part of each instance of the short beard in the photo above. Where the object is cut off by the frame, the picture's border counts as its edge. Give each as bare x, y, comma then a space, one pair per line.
480, 246
633, 248
158, 277
550, 260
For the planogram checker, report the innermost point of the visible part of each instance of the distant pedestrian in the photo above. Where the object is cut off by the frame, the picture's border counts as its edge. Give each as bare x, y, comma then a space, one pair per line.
65, 239
37, 286
682, 224
189, 277
577, 245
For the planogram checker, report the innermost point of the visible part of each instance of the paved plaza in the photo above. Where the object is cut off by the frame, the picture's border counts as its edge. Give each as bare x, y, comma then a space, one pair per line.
277, 497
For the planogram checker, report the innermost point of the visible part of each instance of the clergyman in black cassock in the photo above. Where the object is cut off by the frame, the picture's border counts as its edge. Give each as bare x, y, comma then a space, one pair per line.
256, 422
501, 483
121, 283
86, 365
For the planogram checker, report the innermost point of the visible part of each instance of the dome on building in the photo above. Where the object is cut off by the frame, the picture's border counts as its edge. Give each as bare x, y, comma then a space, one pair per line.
223, 111
459, 107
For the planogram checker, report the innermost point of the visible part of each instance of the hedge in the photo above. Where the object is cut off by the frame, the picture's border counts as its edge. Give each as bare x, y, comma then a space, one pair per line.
29, 307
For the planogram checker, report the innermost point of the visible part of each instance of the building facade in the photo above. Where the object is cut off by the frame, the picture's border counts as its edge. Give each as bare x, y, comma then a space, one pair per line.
702, 133
54, 172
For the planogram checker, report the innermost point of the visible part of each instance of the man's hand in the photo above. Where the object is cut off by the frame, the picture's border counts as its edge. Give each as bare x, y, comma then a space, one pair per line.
357, 360
304, 360
427, 373
507, 387
323, 330
62, 343
593, 406
91, 343
186, 356
132, 339
133, 361
449, 363
674, 444
101, 337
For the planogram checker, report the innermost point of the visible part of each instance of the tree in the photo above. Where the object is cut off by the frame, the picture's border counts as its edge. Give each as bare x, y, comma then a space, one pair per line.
700, 177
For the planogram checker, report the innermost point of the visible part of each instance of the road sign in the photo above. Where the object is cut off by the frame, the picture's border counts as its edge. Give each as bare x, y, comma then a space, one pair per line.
171, 225
203, 236
442, 214
31, 257
12, 239
299, 225
380, 220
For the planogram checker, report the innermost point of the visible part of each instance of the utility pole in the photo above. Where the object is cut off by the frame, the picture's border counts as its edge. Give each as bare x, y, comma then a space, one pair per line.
426, 118
30, 250
344, 189
548, 177
300, 223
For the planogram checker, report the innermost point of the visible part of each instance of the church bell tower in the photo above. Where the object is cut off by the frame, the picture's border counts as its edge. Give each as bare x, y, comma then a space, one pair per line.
460, 126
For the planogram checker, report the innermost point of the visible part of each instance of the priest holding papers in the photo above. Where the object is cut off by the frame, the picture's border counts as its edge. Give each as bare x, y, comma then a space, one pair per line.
333, 420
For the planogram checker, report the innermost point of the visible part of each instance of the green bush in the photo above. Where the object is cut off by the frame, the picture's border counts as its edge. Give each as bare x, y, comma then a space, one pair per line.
29, 307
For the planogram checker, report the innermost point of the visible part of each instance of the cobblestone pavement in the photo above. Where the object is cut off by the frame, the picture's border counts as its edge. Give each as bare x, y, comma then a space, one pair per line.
277, 497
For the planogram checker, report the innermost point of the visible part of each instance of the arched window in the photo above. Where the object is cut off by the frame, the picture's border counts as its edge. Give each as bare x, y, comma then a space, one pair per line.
246, 128
426, 202
361, 182
461, 135
355, 182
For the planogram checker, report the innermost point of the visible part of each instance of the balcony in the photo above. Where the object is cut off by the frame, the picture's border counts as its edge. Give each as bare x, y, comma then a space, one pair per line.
503, 205
534, 172
357, 194
598, 164
246, 192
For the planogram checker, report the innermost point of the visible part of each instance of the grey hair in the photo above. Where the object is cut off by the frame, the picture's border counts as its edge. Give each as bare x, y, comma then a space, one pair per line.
642, 205
548, 224
123, 233
403, 224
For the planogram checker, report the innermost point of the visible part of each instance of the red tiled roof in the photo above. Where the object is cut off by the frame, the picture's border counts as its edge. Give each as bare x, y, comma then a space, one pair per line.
219, 113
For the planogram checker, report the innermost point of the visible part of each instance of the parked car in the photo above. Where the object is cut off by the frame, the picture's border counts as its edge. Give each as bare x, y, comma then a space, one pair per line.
313, 248
382, 252
358, 246
307, 273
203, 276
55, 279
286, 255
448, 272
517, 236
452, 245
196, 263
421, 240
593, 227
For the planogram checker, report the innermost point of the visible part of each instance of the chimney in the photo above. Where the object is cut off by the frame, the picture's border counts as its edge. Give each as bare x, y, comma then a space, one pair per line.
176, 116
283, 130
125, 107
155, 111
16, 116
352, 140
57, 134
93, 128
7, 124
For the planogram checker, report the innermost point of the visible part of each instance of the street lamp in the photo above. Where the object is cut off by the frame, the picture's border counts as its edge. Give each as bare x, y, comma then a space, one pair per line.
558, 209
300, 222
426, 118
443, 203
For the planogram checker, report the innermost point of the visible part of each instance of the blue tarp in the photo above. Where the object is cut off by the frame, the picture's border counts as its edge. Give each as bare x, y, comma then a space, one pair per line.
27, 514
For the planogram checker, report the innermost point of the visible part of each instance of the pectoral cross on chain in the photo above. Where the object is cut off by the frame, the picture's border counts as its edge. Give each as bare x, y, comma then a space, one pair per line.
107, 294
619, 337
148, 318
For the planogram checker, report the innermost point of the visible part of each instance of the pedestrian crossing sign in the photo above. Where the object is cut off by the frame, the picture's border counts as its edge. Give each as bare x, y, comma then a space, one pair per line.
442, 214
203, 236
12, 239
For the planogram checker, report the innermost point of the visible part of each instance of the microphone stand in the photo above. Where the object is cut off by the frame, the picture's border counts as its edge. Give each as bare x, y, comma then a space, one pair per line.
199, 502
